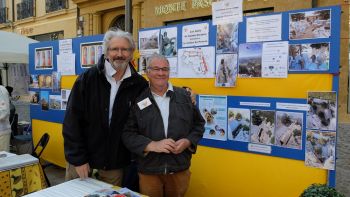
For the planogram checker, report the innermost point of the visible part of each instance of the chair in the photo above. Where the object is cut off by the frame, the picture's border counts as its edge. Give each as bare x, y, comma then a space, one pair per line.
39, 149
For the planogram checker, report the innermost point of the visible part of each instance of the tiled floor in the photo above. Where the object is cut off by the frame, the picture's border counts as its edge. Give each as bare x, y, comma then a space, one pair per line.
55, 174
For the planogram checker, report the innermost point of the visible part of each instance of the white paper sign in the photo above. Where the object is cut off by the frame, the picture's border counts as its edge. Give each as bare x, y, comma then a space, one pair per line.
65, 46
195, 35
66, 64
293, 106
275, 60
264, 28
255, 104
227, 12
259, 148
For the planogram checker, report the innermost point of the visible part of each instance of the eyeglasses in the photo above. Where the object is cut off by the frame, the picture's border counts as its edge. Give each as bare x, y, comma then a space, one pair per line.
164, 69
122, 50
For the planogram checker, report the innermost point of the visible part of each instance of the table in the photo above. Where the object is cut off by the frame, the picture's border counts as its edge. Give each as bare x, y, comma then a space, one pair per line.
21, 180
75, 188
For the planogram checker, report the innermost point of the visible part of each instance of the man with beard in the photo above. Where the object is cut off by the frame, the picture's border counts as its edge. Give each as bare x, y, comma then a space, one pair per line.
97, 110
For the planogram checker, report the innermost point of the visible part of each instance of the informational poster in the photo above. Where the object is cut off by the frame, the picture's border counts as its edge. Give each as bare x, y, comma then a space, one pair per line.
227, 11
149, 42
226, 70
320, 149
66, 64
168, 44
214, 112
275, 59
196, 62
264, 28
195, 35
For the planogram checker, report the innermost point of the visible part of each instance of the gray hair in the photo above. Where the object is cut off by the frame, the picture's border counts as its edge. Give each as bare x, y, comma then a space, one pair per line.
117, 33
155, 56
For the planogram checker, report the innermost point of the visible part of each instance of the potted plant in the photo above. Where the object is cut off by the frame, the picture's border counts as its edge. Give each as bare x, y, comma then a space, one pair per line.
321, 190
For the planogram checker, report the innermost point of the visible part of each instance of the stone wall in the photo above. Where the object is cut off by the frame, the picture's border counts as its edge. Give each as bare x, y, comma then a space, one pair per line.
343, 161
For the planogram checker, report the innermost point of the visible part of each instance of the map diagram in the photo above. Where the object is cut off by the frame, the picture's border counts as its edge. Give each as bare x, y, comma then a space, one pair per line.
196, 62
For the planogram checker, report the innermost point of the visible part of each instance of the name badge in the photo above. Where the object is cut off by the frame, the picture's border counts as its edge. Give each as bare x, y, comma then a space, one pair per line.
144, 103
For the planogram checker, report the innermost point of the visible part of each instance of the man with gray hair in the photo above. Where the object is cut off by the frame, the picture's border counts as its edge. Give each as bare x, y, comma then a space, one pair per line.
163, 129
97, 110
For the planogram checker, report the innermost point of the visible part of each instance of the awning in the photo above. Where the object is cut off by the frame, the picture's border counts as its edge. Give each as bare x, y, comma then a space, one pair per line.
14, 47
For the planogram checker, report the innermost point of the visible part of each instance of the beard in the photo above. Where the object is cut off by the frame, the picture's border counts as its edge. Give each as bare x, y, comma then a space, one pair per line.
119, 63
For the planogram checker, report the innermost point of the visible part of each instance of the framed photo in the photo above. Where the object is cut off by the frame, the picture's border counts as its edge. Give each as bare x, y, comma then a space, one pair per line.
310, 24
309, 57
43, 58
90, 54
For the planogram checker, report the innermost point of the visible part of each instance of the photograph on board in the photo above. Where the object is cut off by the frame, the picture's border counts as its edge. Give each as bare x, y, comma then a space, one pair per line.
44, 100
45, 81
310, 24
262, 127
149, 42
43, 58
322, 114
309, 57
249, 61
226, 70
320, 149
34, 81
238, 124
90, 54
289, 127
34, 97
168, 42
227, 38
55, 102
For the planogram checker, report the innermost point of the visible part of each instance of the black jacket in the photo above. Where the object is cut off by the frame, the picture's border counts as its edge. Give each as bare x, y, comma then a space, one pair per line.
88, 137
146, 125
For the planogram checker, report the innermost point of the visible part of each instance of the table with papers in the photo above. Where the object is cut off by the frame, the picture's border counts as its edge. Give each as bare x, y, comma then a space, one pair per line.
78, 187
20, 174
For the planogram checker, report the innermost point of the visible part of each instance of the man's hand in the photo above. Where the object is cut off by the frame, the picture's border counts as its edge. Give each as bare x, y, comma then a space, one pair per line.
181, 145
162, 146
83, 170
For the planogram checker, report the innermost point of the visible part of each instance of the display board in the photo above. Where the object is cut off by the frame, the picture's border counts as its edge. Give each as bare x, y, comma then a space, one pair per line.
265, 49
261, 83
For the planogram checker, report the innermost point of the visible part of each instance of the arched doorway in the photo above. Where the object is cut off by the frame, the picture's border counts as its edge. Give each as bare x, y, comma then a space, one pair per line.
118, 22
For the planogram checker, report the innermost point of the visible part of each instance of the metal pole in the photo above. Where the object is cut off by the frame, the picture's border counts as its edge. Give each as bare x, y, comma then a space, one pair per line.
128, 16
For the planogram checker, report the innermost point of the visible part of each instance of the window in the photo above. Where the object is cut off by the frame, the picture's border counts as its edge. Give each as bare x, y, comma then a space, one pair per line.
49, 37
25, 9
119, 22
3, 11
55, 5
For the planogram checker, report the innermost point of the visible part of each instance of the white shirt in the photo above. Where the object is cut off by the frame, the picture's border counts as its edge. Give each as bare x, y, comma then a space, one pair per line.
109, 72
4, 111
163, 104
